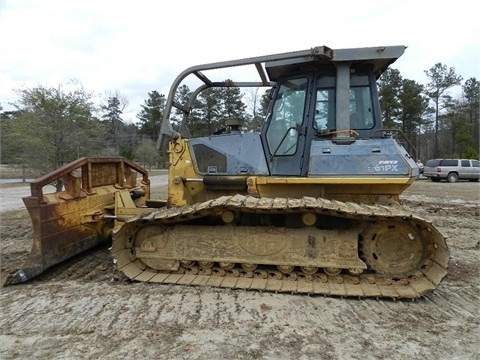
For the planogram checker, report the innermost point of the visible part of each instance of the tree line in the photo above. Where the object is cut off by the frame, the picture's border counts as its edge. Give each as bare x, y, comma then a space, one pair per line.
439, 125
51, 126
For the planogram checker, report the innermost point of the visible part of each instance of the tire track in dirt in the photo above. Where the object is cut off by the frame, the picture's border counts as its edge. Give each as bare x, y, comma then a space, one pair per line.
455, 302
129, 315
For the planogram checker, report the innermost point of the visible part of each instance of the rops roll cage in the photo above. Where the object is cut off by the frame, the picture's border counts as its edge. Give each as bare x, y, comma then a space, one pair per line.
379, 57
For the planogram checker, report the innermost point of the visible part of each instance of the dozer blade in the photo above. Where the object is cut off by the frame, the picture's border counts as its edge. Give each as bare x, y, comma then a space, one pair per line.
80, 217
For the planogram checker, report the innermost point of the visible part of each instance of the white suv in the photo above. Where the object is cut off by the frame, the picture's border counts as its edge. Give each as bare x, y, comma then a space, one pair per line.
452, 170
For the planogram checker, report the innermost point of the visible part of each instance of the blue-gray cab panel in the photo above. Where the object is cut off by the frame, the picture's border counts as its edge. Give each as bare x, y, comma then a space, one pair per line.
366, 157
231, 154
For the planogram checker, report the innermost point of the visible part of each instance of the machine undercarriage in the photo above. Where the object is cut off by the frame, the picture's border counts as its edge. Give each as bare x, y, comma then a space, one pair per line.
330, 248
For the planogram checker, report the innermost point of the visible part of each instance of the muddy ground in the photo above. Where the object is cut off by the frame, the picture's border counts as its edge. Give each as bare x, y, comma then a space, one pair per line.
83, 309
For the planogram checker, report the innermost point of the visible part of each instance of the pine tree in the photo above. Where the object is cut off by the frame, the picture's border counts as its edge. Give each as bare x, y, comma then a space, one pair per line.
441, 80
151, 115
207, 112
471, 94
413, 105
390, 84
232, 103
112, 112
181, 97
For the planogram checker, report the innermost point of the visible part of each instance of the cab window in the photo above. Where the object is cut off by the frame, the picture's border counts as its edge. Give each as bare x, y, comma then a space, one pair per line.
287, 116
360, 104
325, 104
361, 113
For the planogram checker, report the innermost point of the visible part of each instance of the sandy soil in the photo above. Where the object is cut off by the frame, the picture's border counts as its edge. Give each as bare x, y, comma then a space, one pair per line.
83, 309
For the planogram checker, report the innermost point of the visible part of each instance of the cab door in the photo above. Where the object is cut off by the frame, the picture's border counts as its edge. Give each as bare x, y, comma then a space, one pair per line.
284, 135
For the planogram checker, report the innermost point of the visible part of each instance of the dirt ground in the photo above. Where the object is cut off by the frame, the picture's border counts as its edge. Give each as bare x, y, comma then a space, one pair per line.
82, 309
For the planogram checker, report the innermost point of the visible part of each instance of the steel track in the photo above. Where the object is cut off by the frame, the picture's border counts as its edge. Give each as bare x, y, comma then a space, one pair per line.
368, 284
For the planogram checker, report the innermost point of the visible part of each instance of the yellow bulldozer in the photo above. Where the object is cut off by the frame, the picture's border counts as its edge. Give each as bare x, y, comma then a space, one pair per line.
309, 204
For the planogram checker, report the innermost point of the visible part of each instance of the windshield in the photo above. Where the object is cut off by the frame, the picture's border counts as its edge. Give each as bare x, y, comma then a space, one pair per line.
287, 116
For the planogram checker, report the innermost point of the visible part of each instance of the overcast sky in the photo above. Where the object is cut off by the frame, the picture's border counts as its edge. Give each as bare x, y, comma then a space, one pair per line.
133, 47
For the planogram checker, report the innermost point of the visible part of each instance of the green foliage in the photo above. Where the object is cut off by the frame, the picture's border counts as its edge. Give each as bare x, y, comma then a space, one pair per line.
151, 115
51, 127
413, 105
111, 116
441, 79
458, 124
212, 107
206, 113
181, 97
128, 140
389, 85
146, 153
232, 103
471, 94
405, 106
11, 149
469, 153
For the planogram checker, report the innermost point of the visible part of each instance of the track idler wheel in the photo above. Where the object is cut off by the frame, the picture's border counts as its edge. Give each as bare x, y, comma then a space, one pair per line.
227, 266
332, 271
393, 248
285, 269
309, 270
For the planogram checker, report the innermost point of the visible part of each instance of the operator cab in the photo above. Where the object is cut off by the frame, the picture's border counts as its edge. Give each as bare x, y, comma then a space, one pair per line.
291, 105
323, 120
312, 102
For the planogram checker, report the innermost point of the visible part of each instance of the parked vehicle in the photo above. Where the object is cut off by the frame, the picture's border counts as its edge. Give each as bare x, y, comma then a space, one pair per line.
452, 170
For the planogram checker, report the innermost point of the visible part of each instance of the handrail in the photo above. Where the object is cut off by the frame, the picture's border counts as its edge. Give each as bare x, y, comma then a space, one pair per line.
410, 148
36, 186
380, 57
